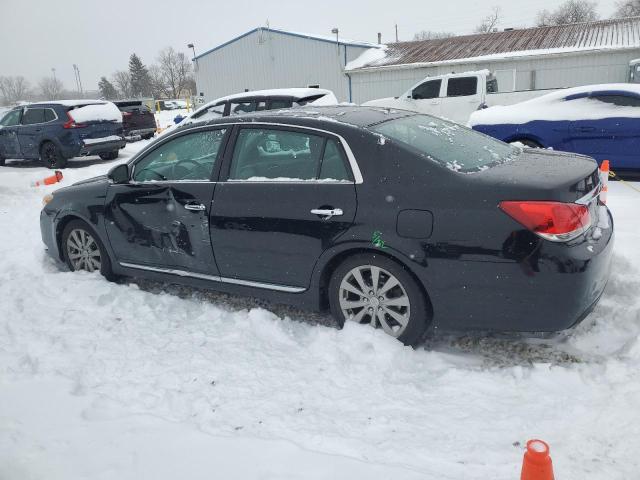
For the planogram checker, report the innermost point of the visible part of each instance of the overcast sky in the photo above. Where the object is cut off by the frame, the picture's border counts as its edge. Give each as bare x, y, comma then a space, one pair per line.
99, 36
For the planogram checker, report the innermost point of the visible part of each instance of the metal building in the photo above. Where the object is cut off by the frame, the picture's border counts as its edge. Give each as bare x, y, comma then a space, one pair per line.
523, 59
268, 58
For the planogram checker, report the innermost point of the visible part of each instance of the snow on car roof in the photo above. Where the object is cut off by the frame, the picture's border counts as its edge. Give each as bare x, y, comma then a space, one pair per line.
297, 92
558, 105
72, 103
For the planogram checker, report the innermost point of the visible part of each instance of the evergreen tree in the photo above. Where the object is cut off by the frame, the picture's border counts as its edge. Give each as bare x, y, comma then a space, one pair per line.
107, 89
140, 79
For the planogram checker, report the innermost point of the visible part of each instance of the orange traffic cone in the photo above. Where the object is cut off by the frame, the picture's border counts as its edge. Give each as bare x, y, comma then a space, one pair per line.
604, 180
536, 464
55, 178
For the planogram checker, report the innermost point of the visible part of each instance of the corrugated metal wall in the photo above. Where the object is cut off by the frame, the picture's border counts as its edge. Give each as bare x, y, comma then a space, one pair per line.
567, 70
267, 59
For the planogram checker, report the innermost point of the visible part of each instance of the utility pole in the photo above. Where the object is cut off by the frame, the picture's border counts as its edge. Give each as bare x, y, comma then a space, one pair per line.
54, 74
396, 33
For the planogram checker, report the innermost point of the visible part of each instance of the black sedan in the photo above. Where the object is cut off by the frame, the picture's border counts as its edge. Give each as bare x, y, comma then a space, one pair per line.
389, 218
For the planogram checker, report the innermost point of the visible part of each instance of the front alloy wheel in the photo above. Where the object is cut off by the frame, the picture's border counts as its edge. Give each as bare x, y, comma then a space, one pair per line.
371, 295
83, 251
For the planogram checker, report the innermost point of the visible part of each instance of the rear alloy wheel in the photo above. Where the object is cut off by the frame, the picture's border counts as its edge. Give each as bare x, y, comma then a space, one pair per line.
50, 155
109, 155
374, 290
83, 250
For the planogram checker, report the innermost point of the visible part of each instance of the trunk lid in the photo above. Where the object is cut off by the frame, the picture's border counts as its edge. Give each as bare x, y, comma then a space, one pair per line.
96, 119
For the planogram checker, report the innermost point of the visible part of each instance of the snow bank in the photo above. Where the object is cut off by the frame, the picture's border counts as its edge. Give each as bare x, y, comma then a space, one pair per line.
106, 380
554, 107
93, 112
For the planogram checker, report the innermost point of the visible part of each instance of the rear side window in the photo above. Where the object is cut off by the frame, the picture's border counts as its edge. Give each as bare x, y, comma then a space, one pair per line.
426, 90
238, 108
619, 100
32, 116
49, 115
462, 86
449, 144
333, 163
214, 111
11, 118
275, 104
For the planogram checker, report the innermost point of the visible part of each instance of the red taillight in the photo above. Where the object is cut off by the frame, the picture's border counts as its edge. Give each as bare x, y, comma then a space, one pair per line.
555, 221
71, 123
126, 114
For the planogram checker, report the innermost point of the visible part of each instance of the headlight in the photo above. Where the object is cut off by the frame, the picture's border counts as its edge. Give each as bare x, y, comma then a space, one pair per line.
47, 198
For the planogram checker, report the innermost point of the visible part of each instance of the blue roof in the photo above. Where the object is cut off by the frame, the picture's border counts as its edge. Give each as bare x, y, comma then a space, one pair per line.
310, 36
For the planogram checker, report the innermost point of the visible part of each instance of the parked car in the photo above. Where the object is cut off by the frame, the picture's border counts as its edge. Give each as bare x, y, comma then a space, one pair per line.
602, 121
137, 119
57, 131
455, 96
392, 219
258, 100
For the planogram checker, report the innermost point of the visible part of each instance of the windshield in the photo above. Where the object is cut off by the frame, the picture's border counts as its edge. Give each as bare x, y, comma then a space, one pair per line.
453, 146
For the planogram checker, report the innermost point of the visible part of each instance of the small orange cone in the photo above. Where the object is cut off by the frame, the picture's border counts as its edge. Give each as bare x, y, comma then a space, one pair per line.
55, 178
536, 464
604, 180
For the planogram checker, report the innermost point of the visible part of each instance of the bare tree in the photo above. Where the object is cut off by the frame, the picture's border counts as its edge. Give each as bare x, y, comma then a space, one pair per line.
627, 8
122, 81
51, 88
158, 88
490, 22
13, 89
431, 35
571, 11
175, 69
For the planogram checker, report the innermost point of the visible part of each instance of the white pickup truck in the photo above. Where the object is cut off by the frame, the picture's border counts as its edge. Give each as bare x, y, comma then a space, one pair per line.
455, 96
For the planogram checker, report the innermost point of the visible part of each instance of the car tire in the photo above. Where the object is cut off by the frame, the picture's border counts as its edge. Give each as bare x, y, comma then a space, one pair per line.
51, 156
149, 136
109, 155
527, 143
78, 238
402, 311
3, 161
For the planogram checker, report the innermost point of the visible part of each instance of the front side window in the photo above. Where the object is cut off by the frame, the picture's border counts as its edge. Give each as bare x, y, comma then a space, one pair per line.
10, 119
449, 144
426, 90
32, 116
462, 86
282, 155
238, 108
189, 157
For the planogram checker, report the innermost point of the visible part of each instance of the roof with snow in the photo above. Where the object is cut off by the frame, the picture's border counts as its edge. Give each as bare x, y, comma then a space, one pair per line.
610, 34
311, 36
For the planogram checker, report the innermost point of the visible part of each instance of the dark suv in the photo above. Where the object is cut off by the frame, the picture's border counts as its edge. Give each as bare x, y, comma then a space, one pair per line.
137, 119
56, 131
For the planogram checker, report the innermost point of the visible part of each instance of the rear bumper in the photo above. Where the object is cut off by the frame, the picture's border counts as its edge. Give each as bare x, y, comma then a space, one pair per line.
550, 289
101, 147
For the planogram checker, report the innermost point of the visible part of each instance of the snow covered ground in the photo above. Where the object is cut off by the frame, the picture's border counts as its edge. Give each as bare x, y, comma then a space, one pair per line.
142, 380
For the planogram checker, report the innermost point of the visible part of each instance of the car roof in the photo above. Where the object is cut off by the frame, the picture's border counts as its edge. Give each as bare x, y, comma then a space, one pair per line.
277, 92
343, 114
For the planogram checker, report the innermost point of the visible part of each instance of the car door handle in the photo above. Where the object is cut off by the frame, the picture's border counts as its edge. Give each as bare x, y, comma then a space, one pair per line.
586, 129
327, 212
197, 207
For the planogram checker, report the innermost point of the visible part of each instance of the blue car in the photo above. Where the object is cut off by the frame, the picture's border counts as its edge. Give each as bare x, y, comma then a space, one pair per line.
602, 121
56, 131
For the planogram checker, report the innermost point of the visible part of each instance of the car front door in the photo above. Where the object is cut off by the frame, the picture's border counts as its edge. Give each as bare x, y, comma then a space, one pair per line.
286, 194
9, 125
425, 98
462, 99
161, 217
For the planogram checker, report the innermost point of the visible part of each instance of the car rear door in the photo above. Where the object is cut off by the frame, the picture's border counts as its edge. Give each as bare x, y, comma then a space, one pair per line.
616, 135
463, 97
30, 131
286, 194
160, 219
9, 126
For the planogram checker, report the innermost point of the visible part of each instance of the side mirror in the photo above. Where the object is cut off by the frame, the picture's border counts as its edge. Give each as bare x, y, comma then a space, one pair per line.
119, 174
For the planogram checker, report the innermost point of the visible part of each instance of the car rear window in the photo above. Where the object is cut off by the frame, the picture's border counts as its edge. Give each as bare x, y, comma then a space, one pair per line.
449, 144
